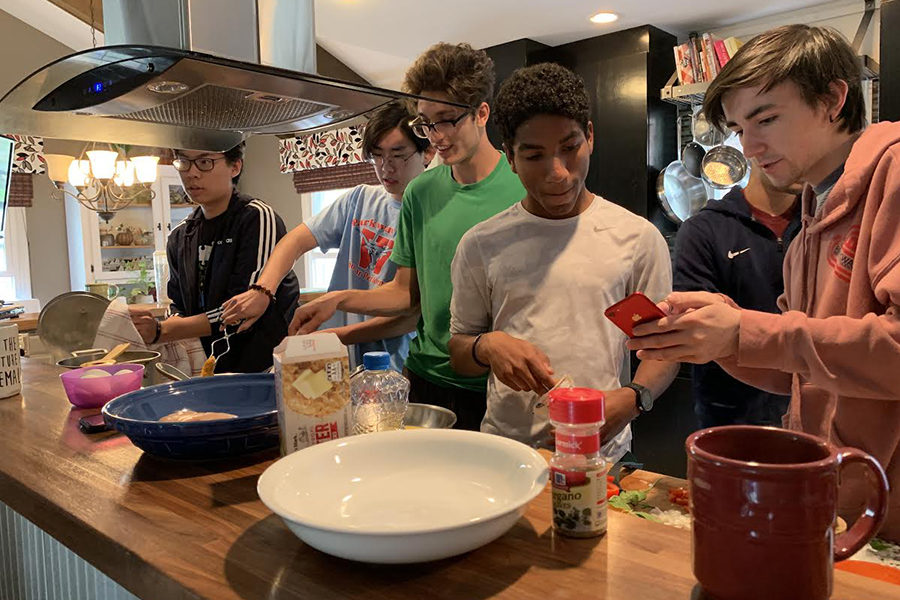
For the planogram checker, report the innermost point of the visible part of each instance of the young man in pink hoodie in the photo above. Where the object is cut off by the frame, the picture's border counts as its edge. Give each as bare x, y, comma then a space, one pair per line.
793, 95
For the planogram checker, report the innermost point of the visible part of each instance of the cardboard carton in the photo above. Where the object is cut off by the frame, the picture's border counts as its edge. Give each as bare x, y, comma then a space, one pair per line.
312, 387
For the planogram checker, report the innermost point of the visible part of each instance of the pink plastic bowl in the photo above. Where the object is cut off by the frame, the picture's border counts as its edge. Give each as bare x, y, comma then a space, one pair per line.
95, 392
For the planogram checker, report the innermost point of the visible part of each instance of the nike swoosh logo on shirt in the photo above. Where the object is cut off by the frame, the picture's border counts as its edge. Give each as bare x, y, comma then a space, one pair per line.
732, 253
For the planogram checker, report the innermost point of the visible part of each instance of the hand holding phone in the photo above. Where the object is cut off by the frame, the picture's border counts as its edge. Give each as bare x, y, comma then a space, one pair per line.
633, 310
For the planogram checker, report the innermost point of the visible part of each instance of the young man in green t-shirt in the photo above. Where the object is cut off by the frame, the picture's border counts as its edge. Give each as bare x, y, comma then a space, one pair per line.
474, 183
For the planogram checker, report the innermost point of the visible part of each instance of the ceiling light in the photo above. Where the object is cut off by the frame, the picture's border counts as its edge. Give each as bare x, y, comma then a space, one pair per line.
604, 17
106, 181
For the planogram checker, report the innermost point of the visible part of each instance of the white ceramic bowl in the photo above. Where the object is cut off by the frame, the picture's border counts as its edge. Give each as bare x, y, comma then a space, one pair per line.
404, 496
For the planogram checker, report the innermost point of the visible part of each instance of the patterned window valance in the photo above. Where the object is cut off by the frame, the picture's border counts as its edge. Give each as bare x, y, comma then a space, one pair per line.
28, 155
322, 150
332, 178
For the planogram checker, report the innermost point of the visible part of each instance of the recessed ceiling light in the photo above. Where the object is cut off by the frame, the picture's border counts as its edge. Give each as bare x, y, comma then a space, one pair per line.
604, 17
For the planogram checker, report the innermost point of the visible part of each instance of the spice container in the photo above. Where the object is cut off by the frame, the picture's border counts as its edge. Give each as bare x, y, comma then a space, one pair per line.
577, 469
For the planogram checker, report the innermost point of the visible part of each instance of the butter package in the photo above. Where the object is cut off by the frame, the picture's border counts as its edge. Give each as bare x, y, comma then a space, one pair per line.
312, 387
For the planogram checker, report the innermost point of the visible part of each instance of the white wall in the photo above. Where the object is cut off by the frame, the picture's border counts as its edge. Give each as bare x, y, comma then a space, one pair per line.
843, 15
25, 50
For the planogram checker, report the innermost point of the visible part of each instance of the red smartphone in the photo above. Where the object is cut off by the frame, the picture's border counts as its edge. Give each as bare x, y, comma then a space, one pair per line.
633, 310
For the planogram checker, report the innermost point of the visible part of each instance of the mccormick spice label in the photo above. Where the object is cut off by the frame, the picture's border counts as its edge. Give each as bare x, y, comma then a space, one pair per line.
579, 501
312, 387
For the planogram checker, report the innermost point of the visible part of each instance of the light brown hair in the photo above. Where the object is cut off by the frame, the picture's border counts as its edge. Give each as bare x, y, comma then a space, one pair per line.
459, 70
811, 57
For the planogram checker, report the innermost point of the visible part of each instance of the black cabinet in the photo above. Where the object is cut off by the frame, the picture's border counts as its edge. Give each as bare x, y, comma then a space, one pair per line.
633, 134
889, 57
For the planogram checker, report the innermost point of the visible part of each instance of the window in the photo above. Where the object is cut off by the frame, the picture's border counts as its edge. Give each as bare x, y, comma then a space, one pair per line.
15, 274
320, 265
7, 281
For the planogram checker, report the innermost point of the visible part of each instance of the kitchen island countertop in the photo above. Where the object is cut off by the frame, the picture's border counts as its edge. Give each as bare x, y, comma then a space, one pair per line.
165, 529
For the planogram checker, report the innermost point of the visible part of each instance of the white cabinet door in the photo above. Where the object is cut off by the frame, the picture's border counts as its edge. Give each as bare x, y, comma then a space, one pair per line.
174, 202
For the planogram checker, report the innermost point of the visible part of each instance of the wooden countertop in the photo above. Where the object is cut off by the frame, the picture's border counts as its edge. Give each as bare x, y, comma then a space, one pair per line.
26, 322
166, 529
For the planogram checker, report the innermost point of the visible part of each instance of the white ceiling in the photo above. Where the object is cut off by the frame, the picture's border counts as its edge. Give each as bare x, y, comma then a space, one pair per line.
379, 38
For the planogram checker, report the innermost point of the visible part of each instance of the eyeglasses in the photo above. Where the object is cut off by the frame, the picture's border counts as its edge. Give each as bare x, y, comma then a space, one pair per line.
421, 128
395, 160
204, 163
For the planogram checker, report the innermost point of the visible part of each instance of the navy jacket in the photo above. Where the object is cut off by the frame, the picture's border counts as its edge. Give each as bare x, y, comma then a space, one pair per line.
723, 249
249, 233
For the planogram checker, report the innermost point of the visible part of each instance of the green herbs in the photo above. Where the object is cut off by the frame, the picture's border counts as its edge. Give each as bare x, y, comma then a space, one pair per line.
633, 503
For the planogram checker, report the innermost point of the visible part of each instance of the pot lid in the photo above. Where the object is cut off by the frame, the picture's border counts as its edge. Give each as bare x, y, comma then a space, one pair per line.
69, 322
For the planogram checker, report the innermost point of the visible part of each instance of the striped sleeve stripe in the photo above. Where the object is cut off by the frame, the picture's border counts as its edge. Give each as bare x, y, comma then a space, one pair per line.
214, 315
266, 237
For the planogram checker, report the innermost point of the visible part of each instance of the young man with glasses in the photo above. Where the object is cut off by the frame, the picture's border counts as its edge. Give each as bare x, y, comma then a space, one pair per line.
473, 184
215, 253
362, 224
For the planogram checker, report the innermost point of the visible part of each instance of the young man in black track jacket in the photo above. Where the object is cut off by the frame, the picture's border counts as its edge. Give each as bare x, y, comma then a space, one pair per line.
217, 252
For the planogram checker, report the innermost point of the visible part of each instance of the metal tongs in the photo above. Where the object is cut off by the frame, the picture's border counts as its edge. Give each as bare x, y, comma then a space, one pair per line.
225, 336
209, 367
539, 405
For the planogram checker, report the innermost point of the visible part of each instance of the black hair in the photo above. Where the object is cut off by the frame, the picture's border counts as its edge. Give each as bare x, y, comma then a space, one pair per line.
382, 121
233, 155
542, 89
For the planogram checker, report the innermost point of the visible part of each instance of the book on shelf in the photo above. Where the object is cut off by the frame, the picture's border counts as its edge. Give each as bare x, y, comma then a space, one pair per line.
702, 56
711, 60
683, 67
732, 45
694, 46
721, 52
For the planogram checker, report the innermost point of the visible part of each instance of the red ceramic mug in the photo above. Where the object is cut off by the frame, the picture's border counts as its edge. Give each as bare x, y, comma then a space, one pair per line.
763, 507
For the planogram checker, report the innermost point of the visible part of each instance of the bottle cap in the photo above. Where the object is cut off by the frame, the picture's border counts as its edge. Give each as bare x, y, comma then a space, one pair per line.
377, 361
577, 405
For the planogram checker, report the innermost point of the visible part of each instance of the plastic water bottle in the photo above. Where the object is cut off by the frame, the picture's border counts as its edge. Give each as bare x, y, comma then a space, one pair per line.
379, 395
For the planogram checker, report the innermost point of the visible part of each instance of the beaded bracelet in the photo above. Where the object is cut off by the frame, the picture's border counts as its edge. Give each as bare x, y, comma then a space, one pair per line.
264, 290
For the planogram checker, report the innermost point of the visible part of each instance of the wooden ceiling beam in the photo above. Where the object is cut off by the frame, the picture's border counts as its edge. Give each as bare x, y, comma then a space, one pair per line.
81, 9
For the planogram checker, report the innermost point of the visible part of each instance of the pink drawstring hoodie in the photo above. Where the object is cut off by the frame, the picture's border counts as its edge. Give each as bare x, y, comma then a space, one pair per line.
836, 347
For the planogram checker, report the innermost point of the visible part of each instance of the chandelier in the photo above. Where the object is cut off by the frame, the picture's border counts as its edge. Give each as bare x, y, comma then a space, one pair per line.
106, 181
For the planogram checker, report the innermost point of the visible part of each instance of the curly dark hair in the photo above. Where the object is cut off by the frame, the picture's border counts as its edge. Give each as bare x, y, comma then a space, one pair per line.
459, 70
811, 57
542, 89
382, 121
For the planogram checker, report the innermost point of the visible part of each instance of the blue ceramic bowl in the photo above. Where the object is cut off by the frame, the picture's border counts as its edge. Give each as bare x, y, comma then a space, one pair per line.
251, 397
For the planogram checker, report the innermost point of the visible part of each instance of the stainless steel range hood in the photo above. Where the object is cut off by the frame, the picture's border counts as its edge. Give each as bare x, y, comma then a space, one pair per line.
157, 88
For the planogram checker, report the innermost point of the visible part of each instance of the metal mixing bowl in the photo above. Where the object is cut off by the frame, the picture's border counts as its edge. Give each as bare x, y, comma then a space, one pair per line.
428, 416
724, 167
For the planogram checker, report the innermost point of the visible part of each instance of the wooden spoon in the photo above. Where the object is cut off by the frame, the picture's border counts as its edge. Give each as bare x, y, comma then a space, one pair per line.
110, 358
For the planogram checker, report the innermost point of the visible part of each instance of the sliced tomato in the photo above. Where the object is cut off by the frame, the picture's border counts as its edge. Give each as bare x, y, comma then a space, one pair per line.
611, 490
679, 496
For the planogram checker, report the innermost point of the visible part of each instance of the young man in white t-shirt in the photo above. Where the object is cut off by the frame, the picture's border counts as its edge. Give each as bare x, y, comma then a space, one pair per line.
530, 285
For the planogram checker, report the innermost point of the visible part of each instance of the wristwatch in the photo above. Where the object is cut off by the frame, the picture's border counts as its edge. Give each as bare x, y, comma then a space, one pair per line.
643, 398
